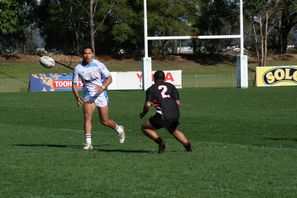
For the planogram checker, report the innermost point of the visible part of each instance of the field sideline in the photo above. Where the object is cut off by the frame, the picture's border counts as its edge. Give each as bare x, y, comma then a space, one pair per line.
14, 75
245, 145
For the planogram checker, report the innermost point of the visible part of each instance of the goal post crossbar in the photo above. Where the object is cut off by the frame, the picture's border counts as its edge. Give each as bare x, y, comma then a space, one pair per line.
155, 38
242, 60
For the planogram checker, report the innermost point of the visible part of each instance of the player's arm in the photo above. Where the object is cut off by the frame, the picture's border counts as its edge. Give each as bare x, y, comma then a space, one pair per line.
75, 79
148, 102
146, 108
178, 102
76, 94
105, 73
176, 96
106, 83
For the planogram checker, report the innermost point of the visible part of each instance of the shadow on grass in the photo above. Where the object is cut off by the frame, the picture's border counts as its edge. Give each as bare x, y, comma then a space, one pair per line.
124, 150
80, 148
49, 145
282, 139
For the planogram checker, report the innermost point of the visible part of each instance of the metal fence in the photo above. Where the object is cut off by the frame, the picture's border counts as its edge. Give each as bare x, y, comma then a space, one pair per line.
218, 80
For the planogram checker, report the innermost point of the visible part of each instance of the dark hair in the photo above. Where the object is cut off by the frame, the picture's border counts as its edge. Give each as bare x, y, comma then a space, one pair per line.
159, 75
87, 47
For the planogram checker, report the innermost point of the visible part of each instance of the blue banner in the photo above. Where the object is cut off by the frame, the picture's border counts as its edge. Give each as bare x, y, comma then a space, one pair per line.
52, 82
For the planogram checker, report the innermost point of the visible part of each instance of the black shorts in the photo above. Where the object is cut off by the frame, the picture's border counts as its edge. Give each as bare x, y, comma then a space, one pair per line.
157, 122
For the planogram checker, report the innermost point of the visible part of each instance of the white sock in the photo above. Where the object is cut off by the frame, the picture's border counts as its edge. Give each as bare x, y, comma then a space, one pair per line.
88, 138
118, 129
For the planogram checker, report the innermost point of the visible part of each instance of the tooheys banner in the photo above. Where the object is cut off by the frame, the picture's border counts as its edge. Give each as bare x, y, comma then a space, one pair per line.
51, 82
121, 81
276, 76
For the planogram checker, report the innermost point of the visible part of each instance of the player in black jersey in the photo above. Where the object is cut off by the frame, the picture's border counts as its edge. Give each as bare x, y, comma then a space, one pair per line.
164, 96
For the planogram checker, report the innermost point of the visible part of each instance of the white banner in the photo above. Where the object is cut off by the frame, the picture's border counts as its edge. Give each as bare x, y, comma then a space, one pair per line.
133, 80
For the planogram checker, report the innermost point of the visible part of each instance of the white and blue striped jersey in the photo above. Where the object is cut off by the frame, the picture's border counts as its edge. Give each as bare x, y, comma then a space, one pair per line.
92, 75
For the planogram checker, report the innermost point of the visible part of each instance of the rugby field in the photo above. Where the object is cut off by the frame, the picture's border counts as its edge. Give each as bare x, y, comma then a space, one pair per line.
245, 144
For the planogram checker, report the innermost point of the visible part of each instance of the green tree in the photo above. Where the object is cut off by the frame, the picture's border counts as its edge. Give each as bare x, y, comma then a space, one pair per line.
168, 18
62, 24
9, 20
97, 12
217, 17
263, 15
287, 22
27, 25
16, 23
126, 24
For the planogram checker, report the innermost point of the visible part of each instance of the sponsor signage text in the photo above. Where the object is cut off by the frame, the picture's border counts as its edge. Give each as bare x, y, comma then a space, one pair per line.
276, 76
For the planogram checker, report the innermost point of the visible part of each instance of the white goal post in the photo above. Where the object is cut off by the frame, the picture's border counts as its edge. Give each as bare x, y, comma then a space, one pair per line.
242, 61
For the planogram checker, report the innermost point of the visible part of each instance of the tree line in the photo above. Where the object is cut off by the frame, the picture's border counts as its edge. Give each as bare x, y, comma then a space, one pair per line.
116, 26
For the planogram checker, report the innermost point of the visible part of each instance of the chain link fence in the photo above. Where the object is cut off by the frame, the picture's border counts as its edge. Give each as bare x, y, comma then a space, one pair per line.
216, 80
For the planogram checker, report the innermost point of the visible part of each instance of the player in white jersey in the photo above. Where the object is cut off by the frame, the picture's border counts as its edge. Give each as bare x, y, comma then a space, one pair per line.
95, 78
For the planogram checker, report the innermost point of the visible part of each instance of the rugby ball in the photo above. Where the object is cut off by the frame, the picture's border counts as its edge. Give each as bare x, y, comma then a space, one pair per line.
47, 62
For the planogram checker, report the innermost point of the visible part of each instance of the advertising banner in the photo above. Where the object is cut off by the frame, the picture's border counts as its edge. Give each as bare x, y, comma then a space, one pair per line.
51, 82
276, 76
133, 80
121, 81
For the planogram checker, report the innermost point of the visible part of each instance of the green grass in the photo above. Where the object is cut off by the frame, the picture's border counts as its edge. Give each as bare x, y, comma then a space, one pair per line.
245, 146
14, 77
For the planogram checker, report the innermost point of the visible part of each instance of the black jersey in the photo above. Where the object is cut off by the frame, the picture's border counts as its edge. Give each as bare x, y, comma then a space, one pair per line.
164, 96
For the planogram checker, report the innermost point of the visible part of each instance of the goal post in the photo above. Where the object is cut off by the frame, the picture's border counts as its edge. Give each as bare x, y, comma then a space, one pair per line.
241, 62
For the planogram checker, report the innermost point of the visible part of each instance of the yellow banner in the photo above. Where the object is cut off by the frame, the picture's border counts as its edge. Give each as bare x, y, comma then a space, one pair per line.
276, 76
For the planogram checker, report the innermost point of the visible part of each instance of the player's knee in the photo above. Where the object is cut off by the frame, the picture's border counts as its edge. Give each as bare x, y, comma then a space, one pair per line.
88, 116
104, 122
143, 128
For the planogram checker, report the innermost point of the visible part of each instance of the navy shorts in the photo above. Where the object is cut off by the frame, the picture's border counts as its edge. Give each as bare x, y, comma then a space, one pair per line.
158, 122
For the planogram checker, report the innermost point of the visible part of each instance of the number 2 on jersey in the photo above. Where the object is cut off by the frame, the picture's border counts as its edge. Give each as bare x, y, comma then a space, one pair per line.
163, 92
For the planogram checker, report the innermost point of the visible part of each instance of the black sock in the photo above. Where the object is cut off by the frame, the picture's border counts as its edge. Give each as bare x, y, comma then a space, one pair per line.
188, 146
158, 141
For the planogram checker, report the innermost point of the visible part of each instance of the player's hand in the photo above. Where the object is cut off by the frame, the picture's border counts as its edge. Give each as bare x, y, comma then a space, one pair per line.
79, 101
141, 115
100, 89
